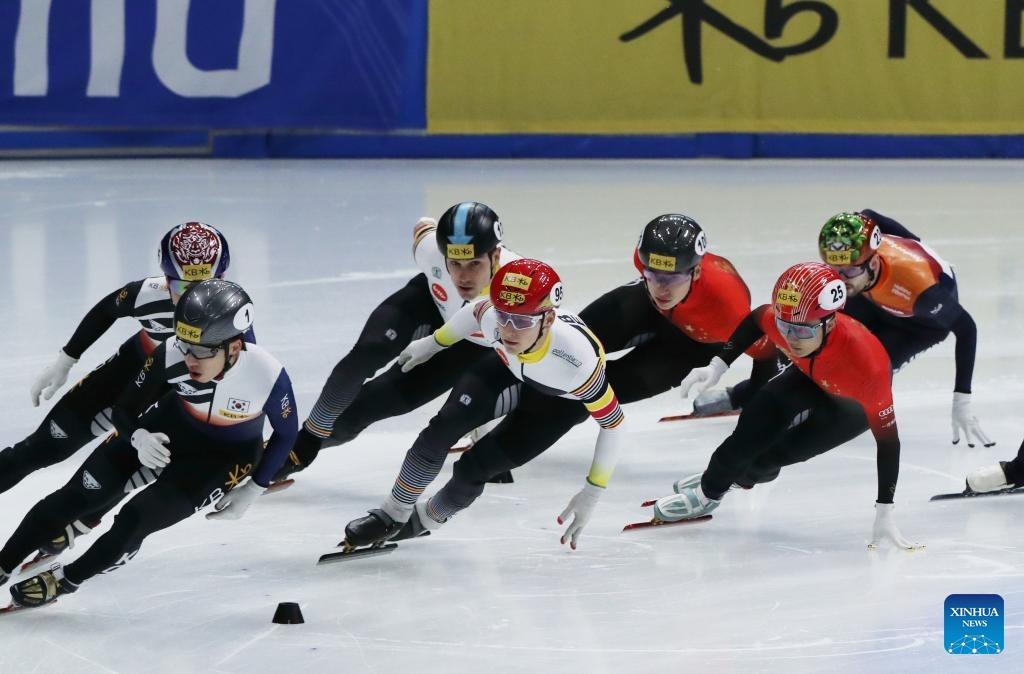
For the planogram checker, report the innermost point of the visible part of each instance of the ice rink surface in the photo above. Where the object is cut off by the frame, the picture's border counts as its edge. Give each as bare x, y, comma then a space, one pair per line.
780, 580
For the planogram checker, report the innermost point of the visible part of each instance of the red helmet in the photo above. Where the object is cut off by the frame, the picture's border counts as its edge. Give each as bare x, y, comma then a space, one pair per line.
526, 286
808, 292
849, 239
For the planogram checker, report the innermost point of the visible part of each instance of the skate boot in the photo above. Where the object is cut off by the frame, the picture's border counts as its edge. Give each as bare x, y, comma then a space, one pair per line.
291, 465
688, 504
373, 530
41, 589
4, 577
420, 524
712, 402
55, 546
988, 478
687, 481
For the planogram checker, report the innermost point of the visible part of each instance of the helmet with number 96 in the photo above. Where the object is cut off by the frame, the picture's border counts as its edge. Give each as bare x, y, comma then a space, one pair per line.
526, 286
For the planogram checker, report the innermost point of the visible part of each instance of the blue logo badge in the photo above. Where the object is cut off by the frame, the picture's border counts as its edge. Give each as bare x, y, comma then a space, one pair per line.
974, 624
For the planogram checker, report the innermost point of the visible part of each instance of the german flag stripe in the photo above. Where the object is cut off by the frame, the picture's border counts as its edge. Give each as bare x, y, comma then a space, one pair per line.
613, 419
596, 407
594, 386
480, 309
419, 232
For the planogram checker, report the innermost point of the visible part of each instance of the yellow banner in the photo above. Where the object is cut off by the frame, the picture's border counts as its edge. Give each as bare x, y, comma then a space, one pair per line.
681, 66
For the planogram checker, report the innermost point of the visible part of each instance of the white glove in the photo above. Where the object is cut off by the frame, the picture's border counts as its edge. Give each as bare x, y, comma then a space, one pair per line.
964, 421
581, 507
234, 504
52, 378
885, 528
418, 352
702, 378
152, 448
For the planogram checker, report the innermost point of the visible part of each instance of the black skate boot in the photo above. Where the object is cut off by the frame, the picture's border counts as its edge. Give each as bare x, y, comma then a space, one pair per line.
306, 448
41, 589
420, 524
375, 529
365, 536
55, 546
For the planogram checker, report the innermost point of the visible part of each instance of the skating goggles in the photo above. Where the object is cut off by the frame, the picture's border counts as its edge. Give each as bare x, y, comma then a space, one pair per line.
517, 321
177, 286
197, 350
852, 272
661, 278
797, 330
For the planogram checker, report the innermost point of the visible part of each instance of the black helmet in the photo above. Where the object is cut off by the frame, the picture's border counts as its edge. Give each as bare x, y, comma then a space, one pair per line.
212, 312
468, 230
672, 243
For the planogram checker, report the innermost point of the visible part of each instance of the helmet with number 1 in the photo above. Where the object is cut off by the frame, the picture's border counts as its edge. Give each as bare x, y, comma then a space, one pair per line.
672, 243
213, 312
526, 286
467, 230
849, 239
194, 251
808, 292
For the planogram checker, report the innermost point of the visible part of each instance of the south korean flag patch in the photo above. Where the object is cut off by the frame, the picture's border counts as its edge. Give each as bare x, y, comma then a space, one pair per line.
238, 406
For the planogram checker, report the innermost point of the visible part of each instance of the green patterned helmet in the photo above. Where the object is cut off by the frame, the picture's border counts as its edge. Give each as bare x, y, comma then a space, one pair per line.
849, 239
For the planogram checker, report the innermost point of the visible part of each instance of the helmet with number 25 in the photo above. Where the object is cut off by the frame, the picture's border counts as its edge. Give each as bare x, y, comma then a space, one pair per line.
808, 292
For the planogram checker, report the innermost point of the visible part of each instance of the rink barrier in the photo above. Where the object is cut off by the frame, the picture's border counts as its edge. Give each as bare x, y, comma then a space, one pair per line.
70, 142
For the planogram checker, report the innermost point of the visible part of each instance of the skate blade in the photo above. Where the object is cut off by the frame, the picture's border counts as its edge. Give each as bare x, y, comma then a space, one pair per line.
976, 494
30, 567
655, 522
459, 449
349, 555
689, 417
280, 485
14, 608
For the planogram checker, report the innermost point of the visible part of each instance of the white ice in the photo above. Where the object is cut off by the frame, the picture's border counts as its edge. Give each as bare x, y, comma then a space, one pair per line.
781, 580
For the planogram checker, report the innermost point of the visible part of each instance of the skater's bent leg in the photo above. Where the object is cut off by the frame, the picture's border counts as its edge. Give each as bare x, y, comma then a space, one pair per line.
399, 319
156, 507
520, 437
764, 419
96, 484
394, 393
474, 400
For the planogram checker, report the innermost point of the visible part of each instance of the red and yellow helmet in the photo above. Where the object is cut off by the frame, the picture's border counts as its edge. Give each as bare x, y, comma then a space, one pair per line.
526, 286
808, 292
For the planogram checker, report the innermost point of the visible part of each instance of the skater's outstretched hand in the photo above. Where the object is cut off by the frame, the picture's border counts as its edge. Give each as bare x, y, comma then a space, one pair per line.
964, 420
580, 508
702, 378
52, 378
234, 504
418, 352
885, 528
